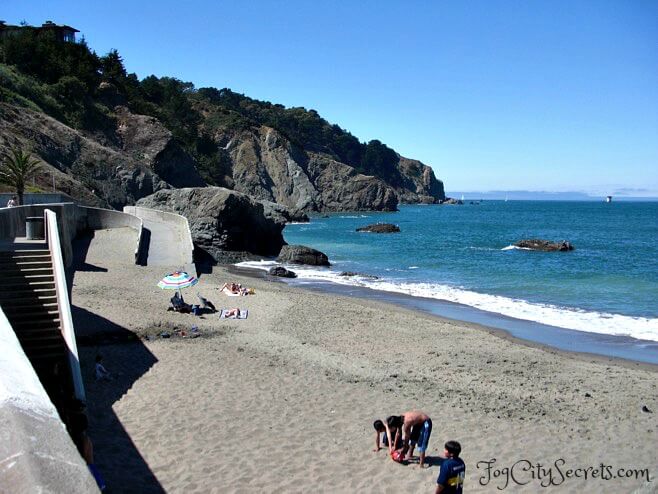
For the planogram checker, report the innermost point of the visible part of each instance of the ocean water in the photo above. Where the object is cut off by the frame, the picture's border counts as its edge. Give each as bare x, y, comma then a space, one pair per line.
463, 255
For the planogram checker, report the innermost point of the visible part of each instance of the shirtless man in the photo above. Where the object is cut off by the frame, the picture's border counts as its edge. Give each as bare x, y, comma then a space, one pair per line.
416, 428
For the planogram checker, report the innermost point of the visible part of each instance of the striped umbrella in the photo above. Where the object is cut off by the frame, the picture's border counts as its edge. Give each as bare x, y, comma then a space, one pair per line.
177, 280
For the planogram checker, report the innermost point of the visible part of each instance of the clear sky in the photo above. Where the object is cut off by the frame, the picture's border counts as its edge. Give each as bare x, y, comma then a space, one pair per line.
494, 95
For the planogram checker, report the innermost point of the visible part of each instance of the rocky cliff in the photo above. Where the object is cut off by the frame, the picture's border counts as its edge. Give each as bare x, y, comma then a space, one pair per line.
266, 165
142, 159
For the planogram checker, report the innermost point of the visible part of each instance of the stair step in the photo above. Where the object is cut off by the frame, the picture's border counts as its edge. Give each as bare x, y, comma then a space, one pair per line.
37, 339
22, 254
22, 267
29, 316
27, 302
38, 332
37, 307
28, 284
31, 324
46, 361
8, 298
26, 262
18, 281
45, 352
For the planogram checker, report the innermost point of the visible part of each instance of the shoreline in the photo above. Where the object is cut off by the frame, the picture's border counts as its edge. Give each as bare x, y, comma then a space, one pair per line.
494, 323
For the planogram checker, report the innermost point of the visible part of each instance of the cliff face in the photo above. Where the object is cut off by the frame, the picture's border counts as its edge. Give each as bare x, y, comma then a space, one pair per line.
266, 165
141, 157
146, 158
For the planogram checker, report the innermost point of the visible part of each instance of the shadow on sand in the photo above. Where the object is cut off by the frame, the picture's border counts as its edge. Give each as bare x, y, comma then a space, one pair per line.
125, 356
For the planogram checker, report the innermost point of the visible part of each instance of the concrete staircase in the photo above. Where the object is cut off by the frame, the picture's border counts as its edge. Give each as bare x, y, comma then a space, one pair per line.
29, 300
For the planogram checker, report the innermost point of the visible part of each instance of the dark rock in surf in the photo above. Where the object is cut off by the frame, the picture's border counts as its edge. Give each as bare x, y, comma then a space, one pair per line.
352, 273
544, 245
379, 228
300, 254
281, 272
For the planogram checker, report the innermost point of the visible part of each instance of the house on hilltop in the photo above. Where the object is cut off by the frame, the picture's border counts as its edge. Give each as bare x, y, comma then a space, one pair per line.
59, 32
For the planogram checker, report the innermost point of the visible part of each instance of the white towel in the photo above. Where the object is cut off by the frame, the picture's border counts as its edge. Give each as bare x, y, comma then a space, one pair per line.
243, 314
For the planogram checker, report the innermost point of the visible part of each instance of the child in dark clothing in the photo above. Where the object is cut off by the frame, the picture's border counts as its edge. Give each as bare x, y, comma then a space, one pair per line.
380, 429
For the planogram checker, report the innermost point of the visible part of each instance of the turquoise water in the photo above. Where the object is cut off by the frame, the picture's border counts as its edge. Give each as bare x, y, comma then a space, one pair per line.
608, 284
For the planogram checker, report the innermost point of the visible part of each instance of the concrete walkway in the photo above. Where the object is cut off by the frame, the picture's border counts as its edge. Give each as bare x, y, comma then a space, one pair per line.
166, 243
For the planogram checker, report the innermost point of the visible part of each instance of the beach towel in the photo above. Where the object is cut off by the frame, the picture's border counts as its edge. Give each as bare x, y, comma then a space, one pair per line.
243, 292
230, 293
243, 314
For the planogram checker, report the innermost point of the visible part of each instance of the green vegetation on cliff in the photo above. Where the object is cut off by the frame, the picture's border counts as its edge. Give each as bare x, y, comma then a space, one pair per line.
71, 83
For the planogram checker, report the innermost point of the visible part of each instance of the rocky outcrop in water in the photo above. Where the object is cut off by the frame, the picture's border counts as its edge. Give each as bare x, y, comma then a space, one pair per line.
300, 254
221, 220
379, 228
544, 245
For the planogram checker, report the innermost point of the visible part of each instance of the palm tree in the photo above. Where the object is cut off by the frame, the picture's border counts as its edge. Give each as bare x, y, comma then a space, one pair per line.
17, 168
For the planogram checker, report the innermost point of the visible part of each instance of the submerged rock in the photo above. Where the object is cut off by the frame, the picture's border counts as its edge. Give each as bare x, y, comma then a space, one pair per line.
300, 254
352, 273
379, 228
544, 245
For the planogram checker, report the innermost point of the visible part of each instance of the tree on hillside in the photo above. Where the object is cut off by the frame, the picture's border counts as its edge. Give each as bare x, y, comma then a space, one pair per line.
112, 67
17, 168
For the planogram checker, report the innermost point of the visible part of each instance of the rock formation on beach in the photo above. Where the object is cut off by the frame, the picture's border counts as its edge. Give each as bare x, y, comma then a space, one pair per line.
544, 245
300, 254
281, 272
222, 220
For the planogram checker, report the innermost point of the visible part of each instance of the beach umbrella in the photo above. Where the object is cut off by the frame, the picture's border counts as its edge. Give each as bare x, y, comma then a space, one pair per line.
177, 280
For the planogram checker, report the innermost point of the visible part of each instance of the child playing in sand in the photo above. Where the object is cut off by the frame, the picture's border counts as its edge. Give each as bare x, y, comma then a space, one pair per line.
380, 429
416, 429
101, 373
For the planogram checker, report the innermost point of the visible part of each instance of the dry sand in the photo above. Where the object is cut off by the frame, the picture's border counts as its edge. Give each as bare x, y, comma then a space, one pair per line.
284, 401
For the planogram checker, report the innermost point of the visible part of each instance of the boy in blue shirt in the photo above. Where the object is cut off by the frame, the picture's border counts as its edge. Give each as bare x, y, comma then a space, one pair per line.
451, 476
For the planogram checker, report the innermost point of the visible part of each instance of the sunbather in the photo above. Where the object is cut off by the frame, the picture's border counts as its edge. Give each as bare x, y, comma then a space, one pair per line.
232, 312
236, 289
178, 305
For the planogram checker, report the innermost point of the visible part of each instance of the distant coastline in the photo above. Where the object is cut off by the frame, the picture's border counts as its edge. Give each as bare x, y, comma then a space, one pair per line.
529, 195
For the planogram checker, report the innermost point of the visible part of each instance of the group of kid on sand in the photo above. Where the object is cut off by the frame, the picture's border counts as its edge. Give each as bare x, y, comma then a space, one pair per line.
404, 433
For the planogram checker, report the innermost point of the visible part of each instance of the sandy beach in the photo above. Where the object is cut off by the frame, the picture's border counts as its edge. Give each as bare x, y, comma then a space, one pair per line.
284, 400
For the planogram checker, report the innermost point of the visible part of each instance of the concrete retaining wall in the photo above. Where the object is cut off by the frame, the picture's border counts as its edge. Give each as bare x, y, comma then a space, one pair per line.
36, 452
71, 220
98, 219
165, 217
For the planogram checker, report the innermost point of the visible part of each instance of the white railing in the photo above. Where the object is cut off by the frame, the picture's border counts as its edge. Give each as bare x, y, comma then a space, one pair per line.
66, 320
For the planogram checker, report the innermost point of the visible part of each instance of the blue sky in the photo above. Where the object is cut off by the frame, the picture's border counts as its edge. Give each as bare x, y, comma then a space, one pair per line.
494, 95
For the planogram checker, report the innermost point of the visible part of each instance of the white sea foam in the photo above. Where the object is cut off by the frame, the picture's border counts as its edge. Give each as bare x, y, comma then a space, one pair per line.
514, 247
580, 320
